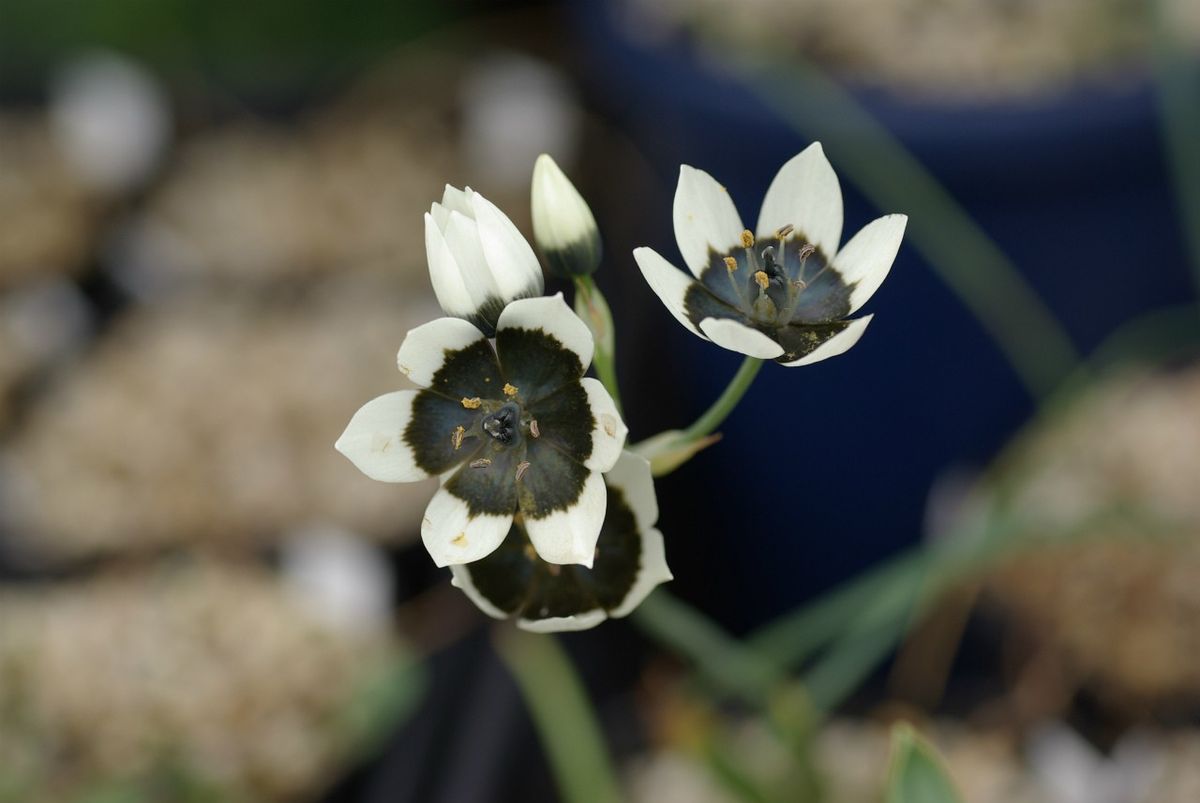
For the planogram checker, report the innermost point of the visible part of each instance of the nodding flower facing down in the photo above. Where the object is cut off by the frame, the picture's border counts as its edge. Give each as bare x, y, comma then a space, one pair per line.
514, 581
478, 260
784, 291
513, 431
563, 226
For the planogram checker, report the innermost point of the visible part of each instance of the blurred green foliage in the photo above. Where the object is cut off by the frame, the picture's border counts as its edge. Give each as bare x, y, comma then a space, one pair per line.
260, 49
917, 774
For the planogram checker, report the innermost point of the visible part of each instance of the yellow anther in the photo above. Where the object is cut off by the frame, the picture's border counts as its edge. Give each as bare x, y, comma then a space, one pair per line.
747, 238
472, 404
762, 279
510, 390
457, 437
785, 231
730, 264
482, 462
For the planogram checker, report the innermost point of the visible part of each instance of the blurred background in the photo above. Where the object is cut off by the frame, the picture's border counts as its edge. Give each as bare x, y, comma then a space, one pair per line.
984, 519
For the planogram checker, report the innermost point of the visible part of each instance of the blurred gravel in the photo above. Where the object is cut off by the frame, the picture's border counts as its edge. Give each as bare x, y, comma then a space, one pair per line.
203, 677
1122, 606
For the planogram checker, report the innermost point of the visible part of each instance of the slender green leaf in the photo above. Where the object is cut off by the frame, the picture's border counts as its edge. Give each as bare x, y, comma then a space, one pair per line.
562, 714
718, 657
917, 773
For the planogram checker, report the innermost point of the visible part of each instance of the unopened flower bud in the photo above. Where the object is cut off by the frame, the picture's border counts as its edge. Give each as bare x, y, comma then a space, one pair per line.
478, 260
563, 225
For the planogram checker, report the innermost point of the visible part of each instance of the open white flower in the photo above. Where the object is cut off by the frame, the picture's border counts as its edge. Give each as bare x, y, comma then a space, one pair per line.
563, 225
478, 260
630, 563
510, 429
784, 291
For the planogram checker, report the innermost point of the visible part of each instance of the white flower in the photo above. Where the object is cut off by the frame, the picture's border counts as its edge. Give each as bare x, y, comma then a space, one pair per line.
630, 563
563, 226
509, 429
784, 291
478, 260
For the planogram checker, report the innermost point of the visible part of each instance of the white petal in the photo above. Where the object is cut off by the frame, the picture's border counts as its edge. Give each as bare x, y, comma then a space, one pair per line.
552, 315
460, 578
632, 476
838, 344
868, 257
462, 238
423, 351
444, 274
806, 195
652, 572
704, 217
608, 435
514, 266
440, 215
669, 283
562, 624
456, 200
452, 535
374, 439
569, 536
738, 337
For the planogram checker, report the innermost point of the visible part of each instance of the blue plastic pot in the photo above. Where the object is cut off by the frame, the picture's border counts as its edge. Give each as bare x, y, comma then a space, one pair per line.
826, 469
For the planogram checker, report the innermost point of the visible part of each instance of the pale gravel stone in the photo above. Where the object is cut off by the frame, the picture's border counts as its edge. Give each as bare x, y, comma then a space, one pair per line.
212, 419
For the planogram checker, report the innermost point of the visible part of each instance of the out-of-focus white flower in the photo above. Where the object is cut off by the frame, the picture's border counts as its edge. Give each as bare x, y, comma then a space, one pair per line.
563, 225
478, 260
1073, 771
783, 292
513, 108
630, 563
111, 119
343, 579
510, 429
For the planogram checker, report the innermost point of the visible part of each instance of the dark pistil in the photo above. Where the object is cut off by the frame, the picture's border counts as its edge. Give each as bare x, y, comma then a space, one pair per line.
503, 424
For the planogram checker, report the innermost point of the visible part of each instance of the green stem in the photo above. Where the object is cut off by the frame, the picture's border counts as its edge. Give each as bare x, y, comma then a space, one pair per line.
1178, 79
724, 405
563, 716
591, 305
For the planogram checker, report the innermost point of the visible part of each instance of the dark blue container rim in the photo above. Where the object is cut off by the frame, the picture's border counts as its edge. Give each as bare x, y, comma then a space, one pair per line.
975, 132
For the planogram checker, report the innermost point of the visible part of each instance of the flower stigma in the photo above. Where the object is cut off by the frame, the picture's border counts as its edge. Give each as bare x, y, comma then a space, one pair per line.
503, 424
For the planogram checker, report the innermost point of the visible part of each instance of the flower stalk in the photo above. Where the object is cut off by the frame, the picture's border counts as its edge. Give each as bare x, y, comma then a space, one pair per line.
591, 306
723, 406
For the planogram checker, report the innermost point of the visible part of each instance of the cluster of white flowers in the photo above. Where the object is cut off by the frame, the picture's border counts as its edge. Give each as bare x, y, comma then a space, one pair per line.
541, 513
